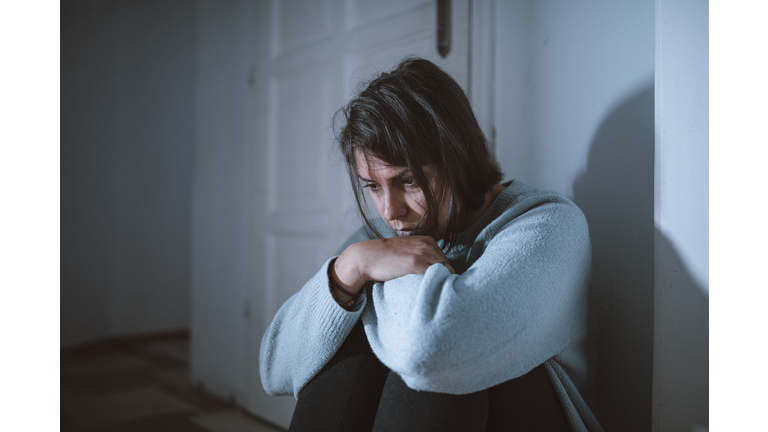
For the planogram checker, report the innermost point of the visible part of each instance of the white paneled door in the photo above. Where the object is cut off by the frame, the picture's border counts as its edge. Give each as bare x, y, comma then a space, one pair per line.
312, 56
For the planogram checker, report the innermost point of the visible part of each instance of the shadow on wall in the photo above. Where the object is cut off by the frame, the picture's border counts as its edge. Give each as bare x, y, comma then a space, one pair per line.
616, 195
683, 345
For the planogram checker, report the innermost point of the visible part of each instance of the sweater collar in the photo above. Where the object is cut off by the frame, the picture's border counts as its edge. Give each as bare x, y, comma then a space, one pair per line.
467, 237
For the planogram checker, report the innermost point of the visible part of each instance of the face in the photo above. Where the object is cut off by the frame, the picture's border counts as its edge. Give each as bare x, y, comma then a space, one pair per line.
397, 197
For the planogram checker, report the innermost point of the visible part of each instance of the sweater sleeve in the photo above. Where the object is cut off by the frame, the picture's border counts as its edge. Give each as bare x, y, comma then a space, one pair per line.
510, 311
304, 335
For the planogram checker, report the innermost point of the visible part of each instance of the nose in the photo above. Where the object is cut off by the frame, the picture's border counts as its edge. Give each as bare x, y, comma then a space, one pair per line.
393, 206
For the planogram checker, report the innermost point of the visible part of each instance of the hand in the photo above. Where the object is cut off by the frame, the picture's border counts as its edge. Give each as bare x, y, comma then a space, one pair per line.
386, 259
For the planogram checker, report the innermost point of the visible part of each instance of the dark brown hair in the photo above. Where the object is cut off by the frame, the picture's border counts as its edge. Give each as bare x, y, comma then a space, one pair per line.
414, 116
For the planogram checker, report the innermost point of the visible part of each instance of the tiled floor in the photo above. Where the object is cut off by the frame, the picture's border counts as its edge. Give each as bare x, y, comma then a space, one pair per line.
142, 385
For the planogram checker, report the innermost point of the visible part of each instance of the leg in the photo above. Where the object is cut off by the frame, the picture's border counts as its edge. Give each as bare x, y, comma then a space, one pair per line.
526, 403
345, 394
404, 409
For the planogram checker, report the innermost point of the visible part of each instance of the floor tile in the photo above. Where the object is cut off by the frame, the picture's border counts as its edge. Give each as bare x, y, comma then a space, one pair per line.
105, 364
142, 385
166, 423
94, 384
122, 406
202, 401
175, 349
177, 377
231, 421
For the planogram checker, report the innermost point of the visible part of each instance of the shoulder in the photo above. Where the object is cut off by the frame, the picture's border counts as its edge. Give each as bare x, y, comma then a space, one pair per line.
530, 214
522, 199
520, 195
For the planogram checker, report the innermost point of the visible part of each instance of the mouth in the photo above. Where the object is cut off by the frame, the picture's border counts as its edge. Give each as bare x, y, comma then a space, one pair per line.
407, 232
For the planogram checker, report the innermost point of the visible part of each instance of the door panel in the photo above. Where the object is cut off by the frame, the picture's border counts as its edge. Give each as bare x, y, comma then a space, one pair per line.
296, 23
316, 56
362, 12
303, 251
300, 106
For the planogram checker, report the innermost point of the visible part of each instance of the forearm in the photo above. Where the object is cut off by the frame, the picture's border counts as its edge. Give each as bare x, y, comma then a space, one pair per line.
443, 334
304, 335
511, 310
383, 260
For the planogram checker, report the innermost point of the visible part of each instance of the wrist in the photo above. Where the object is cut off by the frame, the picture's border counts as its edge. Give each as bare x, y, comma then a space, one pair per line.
344, 298
346, 272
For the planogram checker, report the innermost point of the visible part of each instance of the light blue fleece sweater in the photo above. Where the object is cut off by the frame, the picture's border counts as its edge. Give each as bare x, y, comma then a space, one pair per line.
518, 299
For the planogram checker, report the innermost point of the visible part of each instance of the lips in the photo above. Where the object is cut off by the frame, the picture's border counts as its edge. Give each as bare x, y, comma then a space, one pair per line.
402, 233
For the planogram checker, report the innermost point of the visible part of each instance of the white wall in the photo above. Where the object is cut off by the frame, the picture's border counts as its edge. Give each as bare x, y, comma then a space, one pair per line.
222, 190
681, 341
127, 72
574, 113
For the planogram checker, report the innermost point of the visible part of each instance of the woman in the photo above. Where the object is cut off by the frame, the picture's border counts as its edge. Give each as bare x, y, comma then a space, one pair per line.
462, 308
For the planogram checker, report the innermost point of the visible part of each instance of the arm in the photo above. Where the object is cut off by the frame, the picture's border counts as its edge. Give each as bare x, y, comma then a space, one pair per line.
310, 327
383, 260
304, 335
510, 311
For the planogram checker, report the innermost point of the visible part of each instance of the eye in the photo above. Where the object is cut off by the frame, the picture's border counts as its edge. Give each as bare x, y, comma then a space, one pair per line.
409, 181
372, 186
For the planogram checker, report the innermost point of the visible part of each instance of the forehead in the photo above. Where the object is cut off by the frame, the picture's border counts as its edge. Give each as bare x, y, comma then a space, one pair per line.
371, 167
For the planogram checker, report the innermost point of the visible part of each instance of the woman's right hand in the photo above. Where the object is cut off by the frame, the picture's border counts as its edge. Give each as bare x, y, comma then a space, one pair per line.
386, 259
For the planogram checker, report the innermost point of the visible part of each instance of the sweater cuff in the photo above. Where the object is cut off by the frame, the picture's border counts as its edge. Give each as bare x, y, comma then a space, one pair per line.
336, 320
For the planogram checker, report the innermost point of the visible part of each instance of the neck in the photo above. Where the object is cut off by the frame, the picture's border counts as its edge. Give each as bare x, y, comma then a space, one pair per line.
490, 196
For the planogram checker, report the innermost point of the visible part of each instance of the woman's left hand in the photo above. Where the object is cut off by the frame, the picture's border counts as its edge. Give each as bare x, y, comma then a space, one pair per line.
386, 259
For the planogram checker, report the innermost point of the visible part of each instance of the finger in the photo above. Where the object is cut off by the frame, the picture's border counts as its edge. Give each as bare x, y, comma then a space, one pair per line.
448, 266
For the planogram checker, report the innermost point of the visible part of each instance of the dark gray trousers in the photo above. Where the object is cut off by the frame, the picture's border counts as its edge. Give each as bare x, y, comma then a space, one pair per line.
356, 392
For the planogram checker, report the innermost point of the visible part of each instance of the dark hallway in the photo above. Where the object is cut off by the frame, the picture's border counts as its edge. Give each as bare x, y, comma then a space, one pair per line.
142, 384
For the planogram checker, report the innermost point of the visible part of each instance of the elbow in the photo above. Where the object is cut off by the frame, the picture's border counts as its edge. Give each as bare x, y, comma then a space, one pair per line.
430, 366
422, 359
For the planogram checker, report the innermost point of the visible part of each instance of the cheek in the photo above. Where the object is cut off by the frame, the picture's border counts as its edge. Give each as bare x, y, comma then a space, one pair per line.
417, 202
379, 203
375, 200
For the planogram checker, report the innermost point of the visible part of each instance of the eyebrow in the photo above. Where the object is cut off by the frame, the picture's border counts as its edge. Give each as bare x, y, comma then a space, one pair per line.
397, 176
